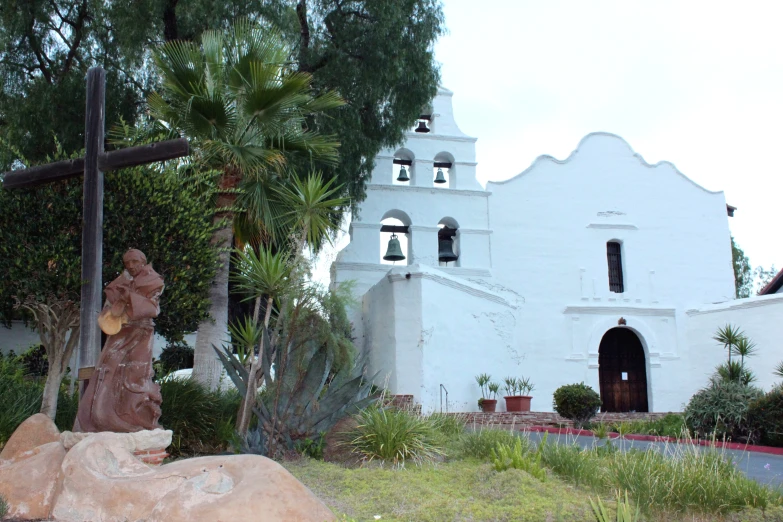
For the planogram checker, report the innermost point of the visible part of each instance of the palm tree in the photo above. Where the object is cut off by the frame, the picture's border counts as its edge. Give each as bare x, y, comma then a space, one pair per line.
728, 336
246, 110
778, 370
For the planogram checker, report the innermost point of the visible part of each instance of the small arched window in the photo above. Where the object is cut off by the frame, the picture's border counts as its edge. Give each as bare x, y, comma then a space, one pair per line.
403, 170
395, 225
615, 261
443, 171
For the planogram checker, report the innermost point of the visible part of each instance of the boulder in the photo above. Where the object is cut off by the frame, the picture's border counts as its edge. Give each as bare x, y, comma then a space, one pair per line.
104, 481
30, 481
35, 431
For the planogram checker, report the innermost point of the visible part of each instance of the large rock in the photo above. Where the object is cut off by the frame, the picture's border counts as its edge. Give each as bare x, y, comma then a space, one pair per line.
30, 468
35, 431
104, 481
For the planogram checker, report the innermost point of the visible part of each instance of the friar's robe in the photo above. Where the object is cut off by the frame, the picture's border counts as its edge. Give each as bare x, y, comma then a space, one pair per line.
121, 395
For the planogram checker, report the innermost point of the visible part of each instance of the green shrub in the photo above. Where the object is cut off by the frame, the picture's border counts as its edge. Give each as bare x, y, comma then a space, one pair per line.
202, 420
394, 436
479, 444
721, 410
34, 361
3, 507
20, 397
765, 416
518, 456
671, 425
577, 402
176, 356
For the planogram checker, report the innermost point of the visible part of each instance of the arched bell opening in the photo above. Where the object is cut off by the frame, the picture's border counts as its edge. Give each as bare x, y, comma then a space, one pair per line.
395, 238
622, 372
403, 167
448, 242
443, 175
423, 124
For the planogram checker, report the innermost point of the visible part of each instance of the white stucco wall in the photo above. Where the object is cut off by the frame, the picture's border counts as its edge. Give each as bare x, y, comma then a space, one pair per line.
536, 245
760, 318
19, 338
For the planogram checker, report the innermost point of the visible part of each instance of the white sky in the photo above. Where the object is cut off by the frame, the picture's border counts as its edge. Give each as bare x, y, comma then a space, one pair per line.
696, 83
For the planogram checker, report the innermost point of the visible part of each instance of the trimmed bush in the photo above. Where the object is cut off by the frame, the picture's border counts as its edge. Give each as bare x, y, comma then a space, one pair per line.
34, 361
765, 416
176, 356
721, 410
577, 402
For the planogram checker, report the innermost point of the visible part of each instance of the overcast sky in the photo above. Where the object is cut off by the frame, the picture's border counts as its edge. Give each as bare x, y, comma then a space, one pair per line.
695, 83
699, 84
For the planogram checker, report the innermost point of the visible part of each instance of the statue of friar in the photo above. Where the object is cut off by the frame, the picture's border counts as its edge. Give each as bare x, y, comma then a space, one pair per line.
121, 395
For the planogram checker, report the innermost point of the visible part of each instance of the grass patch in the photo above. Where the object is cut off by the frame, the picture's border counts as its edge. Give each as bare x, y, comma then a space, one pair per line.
479, 444
458, 490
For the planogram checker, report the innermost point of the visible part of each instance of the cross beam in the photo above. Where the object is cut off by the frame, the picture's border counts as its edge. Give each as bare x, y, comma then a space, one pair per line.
117, 159
94, 163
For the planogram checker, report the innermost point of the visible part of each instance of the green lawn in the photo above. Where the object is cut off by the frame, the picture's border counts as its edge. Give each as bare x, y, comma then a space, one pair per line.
462, 490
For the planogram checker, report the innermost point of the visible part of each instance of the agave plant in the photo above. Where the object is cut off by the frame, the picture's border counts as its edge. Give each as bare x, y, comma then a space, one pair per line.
303, 400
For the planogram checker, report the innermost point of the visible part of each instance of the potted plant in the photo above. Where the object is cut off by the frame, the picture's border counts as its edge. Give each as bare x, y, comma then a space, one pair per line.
489, 391
518, 390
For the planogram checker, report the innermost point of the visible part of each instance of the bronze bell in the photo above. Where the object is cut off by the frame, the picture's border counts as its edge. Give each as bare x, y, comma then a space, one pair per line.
403, 175
446, 250
393, 251
422, 127
439, 177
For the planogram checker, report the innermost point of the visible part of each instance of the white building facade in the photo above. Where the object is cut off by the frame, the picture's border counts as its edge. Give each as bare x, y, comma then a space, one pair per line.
599, 268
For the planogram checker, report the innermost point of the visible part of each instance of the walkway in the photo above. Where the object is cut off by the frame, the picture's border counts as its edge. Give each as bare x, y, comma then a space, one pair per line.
761, 467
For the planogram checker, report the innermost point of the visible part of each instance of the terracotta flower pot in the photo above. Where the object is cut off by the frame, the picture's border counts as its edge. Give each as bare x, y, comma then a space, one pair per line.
518, 402
489, 405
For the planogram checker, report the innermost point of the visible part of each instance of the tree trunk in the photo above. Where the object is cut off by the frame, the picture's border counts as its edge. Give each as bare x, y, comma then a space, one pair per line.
207, 368
51, 389
246, 409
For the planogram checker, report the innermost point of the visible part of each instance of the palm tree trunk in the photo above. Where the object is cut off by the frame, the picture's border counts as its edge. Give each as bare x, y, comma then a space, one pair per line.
252, 381
207, 368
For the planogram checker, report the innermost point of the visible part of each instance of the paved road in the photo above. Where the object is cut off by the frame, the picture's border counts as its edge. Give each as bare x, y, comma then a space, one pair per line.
762, 467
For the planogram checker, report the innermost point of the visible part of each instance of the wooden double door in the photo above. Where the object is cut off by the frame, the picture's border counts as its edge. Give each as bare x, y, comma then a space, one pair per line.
622, 372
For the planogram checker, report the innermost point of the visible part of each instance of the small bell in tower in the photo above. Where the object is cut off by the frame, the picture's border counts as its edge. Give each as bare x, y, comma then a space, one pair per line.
422, 127
440, 178
393, 251
403, 174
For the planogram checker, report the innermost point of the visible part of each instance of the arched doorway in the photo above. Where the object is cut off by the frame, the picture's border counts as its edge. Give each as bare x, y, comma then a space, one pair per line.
622, 371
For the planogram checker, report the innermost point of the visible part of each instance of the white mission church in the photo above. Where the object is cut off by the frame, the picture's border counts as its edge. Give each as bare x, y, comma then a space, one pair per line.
599, 268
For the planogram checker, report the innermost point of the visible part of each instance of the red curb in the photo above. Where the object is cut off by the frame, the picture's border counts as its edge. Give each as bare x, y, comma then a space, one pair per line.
656, 438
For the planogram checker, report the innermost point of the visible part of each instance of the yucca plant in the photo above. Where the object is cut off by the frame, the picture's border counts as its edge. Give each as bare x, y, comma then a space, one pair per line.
779, 369
728, 336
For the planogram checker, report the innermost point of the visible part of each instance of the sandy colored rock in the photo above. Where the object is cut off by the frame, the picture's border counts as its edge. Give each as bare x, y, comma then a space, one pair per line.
30, 481
140, 441
104, 481
35, 431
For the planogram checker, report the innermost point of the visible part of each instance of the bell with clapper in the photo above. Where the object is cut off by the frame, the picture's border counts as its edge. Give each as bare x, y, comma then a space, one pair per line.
446, 245
403, 174
393, 251
439, 177
422, 127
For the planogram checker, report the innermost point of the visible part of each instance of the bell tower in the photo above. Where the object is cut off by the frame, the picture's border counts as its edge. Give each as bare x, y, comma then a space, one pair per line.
423, 206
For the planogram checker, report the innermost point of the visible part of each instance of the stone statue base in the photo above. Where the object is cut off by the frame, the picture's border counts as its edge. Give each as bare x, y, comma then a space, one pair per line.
72, 477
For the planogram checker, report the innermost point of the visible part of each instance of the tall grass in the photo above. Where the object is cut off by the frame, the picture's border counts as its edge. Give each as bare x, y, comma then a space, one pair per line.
678, 479
480, 443
396, 436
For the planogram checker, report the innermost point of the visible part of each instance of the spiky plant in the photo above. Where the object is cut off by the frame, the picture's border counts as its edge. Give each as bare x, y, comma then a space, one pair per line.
728, 337
779, 369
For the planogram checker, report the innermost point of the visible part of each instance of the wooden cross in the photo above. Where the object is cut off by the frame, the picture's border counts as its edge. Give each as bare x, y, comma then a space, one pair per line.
93, 165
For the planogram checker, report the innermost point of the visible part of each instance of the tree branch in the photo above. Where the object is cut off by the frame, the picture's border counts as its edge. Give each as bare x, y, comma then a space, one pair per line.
170, 21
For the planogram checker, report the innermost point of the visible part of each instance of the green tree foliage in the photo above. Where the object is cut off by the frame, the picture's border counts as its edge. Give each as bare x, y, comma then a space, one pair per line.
379, 57
156, 212
743, 272
46, 48
721, 410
